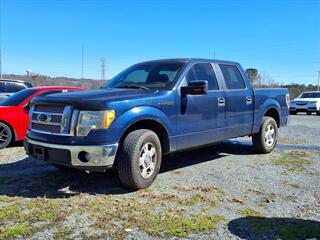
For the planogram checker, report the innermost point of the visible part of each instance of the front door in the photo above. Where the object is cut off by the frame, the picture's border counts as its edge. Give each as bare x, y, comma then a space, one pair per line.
201, 118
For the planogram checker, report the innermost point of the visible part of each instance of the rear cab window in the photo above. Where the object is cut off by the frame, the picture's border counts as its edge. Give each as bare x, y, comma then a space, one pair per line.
232, 77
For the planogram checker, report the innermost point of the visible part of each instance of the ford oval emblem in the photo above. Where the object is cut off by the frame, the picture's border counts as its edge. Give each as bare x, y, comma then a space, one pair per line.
44, 118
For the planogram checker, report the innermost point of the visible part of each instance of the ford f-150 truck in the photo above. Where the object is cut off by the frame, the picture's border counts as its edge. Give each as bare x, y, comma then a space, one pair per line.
150, 109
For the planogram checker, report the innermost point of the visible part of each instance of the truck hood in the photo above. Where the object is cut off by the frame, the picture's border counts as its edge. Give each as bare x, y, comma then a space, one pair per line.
92, 99
307, 100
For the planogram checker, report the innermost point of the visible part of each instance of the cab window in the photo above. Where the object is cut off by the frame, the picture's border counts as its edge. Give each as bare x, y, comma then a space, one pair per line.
232, 77
203, 71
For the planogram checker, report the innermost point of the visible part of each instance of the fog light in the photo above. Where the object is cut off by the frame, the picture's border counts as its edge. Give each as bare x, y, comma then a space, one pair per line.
84, 156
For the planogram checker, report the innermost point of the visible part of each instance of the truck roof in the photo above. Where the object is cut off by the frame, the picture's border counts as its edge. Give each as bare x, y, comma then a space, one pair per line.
187, 60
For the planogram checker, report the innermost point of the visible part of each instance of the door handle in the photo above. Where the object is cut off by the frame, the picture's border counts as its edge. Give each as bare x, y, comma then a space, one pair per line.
221, 101
248, 99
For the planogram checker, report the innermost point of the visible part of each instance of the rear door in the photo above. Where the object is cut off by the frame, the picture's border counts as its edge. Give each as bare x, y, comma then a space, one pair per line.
239, 102
200, 118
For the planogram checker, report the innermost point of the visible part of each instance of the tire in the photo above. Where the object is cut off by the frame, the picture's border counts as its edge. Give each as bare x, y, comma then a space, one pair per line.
140, 159
309, 113
318, 113
6, 135
293, 113
261, 143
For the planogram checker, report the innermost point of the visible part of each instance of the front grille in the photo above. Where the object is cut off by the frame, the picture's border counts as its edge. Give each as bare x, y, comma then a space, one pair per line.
49, 109
46, 128
301, 103
51, 119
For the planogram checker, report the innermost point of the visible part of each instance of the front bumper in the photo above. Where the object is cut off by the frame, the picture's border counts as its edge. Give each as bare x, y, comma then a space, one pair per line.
304, 108
78, 156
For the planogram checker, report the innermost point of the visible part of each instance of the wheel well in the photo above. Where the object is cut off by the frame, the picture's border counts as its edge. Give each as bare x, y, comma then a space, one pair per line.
272, 112
154, 126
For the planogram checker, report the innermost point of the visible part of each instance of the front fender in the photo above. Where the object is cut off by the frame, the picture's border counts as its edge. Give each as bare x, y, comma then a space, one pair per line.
136, 114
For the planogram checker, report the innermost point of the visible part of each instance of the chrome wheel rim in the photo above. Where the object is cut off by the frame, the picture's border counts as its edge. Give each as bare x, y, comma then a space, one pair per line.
270, 135
3, 135
147, 160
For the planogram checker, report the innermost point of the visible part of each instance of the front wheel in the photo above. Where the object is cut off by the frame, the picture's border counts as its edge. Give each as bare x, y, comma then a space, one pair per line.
265, 140
5, 135
140, 159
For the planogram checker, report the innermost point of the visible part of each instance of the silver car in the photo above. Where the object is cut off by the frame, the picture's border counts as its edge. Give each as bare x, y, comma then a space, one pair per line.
9, 87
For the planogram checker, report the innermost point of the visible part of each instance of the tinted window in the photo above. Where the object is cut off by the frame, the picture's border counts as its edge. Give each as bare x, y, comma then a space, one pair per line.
17, 98
203, 71
154, 75
2, 87
310, 95
14, 87
232, 77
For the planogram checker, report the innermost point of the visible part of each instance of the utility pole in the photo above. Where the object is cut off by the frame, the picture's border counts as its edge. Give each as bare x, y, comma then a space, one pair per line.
214, 55
103, 69
0, 62
82, 53
318, 88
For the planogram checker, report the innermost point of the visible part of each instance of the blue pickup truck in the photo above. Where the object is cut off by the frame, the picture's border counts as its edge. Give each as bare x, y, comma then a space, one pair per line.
151, 109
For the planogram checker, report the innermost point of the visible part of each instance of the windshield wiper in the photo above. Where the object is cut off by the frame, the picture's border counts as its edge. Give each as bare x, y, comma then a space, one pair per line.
134, 86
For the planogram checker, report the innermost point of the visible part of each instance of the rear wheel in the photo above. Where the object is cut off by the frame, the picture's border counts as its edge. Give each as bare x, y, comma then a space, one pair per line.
266, 139
140, 159
5, 135
309, 113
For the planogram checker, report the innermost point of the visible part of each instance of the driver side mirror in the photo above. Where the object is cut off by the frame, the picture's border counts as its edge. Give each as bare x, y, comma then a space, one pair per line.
198, 87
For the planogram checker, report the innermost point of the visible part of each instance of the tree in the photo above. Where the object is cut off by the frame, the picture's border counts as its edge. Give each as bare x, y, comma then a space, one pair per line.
253, 76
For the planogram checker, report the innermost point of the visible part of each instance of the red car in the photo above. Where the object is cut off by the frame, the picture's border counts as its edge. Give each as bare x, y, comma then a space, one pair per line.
14, 112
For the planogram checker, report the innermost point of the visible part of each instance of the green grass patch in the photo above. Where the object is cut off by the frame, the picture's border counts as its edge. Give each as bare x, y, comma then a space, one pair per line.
62, 233
7, 199
249, 212
151, 216
173, 224
9, 213
291, 162
42, 209
14, 231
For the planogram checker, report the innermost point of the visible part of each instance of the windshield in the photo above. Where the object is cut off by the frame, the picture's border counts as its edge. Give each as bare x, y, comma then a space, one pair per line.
17, 98
310, 95
153, 75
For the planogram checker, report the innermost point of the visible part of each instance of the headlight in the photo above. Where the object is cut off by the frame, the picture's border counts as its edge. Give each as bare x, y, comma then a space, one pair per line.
89, 120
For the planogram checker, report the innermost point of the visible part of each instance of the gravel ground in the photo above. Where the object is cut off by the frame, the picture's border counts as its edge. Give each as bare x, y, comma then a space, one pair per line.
222, 192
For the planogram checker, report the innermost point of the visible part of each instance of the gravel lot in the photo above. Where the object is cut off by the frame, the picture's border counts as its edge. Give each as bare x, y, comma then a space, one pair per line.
222, 192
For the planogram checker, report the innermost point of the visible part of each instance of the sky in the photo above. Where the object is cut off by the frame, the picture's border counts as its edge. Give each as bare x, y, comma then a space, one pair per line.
279, 38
